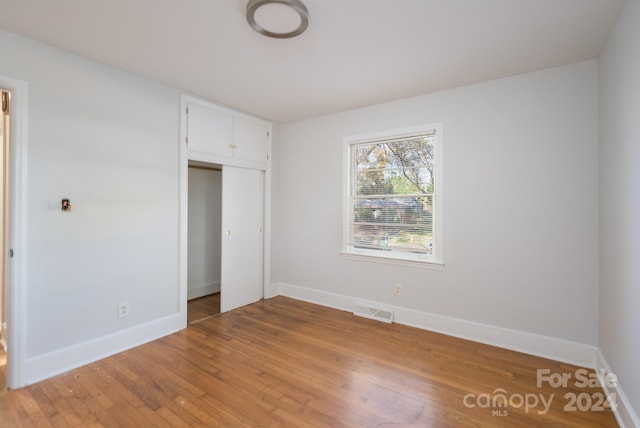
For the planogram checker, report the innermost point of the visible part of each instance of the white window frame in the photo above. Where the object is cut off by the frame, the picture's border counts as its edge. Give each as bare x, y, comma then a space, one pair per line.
435, 260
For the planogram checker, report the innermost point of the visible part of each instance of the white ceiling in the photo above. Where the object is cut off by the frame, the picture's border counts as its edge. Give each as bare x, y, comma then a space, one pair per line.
354, 53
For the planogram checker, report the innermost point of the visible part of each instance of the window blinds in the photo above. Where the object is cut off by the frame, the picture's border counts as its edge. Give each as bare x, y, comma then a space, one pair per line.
391, 194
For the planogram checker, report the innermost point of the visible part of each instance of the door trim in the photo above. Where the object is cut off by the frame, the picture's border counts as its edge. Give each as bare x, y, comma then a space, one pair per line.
16, 328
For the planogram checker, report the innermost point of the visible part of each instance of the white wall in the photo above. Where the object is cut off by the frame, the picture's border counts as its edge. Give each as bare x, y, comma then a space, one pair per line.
205, 203
520, 205
108, 141
619, 71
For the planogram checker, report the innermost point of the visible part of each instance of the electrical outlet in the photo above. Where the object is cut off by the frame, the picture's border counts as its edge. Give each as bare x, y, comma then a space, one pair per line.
397, 289
123, 309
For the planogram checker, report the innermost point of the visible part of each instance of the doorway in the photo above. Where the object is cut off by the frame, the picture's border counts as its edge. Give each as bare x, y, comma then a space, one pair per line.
225, 242
13, 115
204, 235
215, 137
4, 229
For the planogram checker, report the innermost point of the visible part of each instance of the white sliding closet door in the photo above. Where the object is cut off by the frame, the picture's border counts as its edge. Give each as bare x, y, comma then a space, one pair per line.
242, 237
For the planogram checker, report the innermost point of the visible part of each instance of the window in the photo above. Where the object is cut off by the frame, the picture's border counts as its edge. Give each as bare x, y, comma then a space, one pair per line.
393, 195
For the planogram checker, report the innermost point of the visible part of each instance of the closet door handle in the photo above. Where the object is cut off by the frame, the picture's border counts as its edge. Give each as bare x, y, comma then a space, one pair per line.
227, 232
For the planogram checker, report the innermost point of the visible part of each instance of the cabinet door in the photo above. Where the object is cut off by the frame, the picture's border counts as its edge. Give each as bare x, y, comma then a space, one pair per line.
241, 279
250, 140
209, 131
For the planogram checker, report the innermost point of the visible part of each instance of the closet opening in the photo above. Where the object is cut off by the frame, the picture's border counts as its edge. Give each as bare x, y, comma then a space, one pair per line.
204, 241
223, 245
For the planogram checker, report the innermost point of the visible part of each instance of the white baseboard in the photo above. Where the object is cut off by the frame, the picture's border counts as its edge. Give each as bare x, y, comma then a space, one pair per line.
193, 292
270, 290
53, 363
543, 346
625, 415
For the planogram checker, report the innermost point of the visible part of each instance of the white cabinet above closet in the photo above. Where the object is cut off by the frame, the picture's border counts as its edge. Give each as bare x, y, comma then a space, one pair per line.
209, 131
250, 140
216, 134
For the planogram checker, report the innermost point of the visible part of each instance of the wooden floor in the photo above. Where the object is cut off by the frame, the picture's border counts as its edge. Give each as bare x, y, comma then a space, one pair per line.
282, 362
203, 307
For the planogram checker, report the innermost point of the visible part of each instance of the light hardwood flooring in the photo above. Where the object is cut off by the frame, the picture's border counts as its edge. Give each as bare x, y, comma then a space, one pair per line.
197, 310
203, 307
282, 362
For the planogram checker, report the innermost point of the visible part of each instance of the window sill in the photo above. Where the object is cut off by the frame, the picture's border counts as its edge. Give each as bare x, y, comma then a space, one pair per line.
424, 264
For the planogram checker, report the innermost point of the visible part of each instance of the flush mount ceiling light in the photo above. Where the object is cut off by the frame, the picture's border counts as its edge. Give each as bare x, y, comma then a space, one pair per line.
280, 19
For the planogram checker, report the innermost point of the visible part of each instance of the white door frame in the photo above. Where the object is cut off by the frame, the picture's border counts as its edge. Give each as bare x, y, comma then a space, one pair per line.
16, 331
